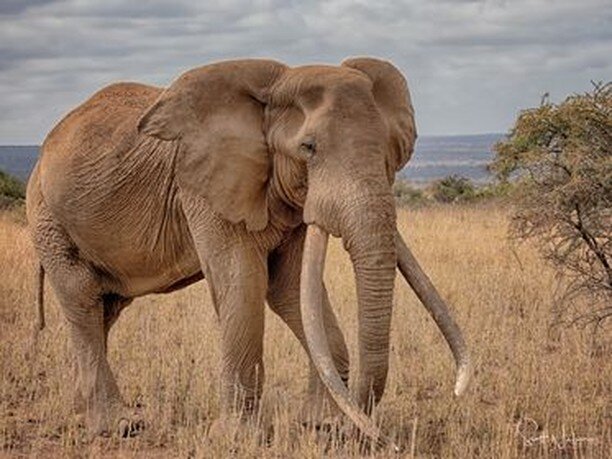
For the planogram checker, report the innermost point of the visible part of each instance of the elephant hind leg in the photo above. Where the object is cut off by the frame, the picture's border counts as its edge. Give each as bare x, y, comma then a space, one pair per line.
112, 304
80, 292
84, 311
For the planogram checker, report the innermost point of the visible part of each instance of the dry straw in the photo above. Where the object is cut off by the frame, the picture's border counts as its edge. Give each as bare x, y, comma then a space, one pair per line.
537, 391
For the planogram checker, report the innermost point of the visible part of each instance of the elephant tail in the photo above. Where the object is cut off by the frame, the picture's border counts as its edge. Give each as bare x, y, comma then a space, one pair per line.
40, 311
40, 297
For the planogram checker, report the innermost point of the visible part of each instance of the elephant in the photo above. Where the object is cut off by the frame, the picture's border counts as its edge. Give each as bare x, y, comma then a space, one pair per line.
237, 172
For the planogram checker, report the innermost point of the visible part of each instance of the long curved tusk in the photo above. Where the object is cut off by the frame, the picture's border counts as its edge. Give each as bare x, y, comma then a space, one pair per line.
311, 294
429, 296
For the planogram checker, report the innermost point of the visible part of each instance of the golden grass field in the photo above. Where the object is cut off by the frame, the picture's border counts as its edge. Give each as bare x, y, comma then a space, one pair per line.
537, 391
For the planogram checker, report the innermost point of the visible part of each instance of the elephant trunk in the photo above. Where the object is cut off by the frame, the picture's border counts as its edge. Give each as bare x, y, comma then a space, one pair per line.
369, 238
367, 228
311, 292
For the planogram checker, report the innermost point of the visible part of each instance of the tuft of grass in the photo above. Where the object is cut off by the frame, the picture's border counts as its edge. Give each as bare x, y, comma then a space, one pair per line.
537, 391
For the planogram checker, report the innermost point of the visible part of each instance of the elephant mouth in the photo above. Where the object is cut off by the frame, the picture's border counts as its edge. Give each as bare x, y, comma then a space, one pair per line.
311, 294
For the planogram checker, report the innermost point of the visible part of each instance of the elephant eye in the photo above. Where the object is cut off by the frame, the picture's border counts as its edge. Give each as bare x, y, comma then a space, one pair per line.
308, 147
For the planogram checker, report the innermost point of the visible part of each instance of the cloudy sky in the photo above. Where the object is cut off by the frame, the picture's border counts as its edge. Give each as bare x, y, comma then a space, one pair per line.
471, 64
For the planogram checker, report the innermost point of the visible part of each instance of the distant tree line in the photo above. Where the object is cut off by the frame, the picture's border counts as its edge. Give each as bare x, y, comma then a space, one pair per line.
453, 189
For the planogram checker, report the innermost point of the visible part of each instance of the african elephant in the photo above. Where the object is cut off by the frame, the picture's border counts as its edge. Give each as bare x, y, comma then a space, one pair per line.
237, 172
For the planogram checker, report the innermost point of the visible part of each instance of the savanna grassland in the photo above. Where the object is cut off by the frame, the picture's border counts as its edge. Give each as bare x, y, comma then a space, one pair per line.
537, 390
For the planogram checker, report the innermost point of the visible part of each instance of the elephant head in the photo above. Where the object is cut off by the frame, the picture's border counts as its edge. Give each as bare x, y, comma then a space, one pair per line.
259, 140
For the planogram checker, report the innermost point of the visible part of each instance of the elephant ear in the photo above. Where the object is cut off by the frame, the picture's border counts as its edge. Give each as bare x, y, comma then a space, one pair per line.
393, 99
216, 113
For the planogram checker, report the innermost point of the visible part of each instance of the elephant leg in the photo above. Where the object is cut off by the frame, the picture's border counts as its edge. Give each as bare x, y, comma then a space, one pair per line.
80, 294
238, 283
112, 306
284, 299
242, 374
237, 273
97, 390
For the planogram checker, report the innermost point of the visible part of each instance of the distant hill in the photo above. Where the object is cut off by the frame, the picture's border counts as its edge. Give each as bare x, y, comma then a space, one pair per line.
435, 157
18, 160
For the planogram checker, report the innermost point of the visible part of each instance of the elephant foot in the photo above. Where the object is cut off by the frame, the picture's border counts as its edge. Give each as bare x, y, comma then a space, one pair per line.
119, 422
331, 433
340, 431
235, 430
224, 428
317, 411
79, 406
130, 427
330, 426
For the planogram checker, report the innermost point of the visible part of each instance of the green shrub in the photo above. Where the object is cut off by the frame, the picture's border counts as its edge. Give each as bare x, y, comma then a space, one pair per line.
406, 194
453, 188
495, 190
12, 190
560, 157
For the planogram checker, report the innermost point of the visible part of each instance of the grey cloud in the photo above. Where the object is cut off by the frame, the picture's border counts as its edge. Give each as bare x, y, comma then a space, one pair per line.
471, 64
11, 7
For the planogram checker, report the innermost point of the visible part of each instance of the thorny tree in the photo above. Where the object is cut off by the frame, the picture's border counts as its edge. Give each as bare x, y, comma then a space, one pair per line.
561, 158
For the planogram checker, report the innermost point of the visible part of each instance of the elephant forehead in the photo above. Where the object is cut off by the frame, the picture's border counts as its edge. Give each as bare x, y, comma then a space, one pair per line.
328, 73
313, 82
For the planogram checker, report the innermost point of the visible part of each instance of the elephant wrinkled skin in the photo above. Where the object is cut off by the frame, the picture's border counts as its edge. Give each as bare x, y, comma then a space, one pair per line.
236, 172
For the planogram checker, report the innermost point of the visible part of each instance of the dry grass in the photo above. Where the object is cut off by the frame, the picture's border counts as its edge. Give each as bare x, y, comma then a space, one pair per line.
537, 391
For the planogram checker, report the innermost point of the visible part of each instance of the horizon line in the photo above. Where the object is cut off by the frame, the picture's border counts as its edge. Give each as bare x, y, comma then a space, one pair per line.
420, 136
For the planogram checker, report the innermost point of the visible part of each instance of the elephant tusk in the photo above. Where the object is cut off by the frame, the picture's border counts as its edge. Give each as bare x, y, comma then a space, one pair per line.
311, 294
429, 296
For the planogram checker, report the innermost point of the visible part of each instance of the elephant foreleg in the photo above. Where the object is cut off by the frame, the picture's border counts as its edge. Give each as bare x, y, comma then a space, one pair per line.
238, 282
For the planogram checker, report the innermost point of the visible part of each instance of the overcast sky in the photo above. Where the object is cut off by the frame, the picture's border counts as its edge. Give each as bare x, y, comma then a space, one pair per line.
471, 65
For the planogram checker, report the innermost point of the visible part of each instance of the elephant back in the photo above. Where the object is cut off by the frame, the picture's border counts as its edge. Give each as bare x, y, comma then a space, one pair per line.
112, 188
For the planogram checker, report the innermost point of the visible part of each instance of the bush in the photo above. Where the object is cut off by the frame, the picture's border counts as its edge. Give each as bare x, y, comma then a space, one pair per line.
560, 156
496, 190
453, 188
407, 195
12, 191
